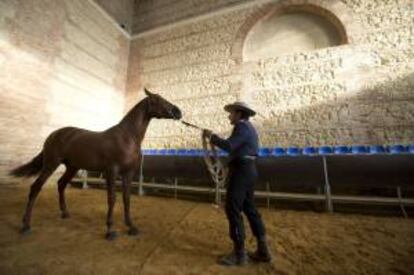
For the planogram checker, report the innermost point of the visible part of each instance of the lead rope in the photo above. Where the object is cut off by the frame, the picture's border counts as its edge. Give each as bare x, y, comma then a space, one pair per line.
215, 166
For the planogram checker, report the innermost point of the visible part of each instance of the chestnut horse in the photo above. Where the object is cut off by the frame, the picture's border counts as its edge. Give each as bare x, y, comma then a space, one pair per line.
115, 152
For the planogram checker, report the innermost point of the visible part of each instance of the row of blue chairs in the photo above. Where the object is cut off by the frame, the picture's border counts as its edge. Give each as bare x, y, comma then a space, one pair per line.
297, 151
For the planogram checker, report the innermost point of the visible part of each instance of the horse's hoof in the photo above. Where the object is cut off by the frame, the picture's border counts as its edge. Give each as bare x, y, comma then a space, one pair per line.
25, 231
133, 231
110, 236
65, 215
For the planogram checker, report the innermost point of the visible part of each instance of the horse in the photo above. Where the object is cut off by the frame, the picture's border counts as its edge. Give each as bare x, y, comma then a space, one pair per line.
114, 152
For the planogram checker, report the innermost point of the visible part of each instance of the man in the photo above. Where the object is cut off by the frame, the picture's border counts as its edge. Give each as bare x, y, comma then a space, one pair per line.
242, 146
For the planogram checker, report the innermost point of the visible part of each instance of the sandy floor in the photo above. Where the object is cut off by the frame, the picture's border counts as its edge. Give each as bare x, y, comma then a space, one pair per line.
181, 237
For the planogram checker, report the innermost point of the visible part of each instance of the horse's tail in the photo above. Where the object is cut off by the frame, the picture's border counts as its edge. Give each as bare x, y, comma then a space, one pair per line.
29, 169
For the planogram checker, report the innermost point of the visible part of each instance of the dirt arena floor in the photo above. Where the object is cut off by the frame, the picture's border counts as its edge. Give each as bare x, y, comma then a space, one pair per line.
182, 237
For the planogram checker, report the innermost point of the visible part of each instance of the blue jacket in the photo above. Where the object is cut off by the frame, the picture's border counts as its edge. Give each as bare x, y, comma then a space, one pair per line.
242, 142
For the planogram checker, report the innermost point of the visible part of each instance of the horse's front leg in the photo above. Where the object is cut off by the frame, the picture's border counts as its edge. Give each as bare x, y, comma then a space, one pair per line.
126, 191
111, 175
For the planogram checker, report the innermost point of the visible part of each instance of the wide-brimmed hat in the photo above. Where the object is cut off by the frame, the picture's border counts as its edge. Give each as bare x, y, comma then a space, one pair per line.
240, 106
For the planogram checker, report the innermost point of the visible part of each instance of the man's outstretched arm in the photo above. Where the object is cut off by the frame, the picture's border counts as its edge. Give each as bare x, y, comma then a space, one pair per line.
237, 138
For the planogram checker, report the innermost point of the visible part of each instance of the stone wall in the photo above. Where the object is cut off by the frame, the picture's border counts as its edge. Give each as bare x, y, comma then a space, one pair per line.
360, 92
155, 13
62, 63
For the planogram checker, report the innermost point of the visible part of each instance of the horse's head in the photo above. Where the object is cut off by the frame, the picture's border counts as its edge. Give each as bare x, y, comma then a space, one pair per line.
159, 107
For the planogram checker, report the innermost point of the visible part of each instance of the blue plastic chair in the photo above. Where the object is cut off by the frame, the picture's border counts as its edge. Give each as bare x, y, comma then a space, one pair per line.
265, 152
191, 152
221, 153
397, 149
278, 151
411, 149
309, 150
162, 152
341, 150
199, 152
359, 149
171, 152
293, 151
377, 149
154, 152
325, 150
181, 152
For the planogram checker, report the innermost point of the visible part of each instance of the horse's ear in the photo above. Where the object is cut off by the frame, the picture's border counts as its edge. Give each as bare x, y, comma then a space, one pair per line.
148, 93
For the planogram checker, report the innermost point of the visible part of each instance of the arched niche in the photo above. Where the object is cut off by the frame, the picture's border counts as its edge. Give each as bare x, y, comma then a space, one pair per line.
331, 20
288, 33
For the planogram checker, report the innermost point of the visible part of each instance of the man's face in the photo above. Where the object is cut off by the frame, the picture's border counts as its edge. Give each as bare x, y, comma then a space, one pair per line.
234, 116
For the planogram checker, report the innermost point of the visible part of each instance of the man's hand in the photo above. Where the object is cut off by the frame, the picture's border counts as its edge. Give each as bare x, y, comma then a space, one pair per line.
207, 133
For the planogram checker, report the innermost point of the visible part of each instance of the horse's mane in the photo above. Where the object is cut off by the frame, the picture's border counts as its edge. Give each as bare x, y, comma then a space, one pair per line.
134, 112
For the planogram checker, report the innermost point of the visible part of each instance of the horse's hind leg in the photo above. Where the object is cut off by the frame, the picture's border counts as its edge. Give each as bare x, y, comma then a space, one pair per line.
126, 190
34, 191
62, 183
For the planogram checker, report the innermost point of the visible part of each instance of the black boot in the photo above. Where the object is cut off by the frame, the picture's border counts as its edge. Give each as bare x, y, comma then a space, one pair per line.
262, 253
235, 258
